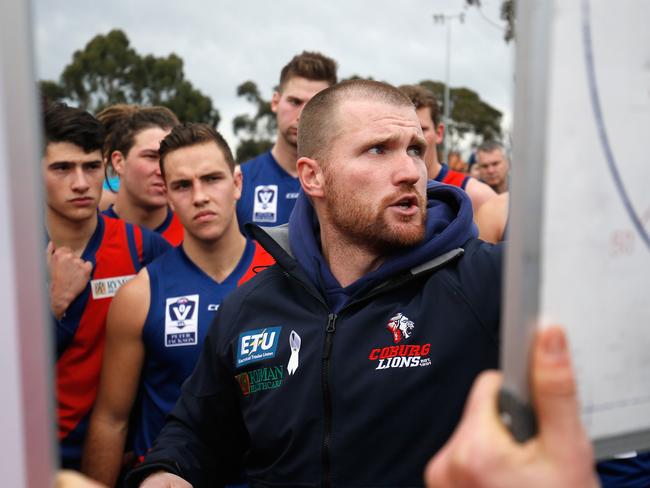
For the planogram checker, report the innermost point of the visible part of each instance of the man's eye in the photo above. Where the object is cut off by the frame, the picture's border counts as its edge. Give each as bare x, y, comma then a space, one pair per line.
378, 149
415, 151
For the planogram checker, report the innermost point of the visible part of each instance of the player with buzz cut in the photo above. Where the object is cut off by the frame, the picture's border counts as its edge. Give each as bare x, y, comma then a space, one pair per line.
270, 181
89, 257
158, 321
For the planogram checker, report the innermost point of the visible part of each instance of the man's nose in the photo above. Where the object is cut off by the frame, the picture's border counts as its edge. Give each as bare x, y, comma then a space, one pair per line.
80, 182
199, 194
409, 169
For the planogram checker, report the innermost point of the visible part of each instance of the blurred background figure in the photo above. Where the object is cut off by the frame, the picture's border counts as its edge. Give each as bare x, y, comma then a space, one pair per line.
426, 108
493, 165
456, 162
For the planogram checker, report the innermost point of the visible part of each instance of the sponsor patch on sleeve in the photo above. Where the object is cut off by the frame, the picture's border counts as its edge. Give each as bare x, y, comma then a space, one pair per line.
257, 345
108, 287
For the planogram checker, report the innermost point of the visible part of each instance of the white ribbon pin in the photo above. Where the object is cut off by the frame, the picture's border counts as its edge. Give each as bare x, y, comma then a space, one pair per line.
294, 343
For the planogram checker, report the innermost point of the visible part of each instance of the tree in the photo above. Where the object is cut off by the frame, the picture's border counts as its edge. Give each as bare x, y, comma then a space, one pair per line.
470, 116
507, 15
256, 132
108, 71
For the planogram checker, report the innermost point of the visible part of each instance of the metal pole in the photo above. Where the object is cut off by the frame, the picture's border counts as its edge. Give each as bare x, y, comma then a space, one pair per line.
445, 154
446, 19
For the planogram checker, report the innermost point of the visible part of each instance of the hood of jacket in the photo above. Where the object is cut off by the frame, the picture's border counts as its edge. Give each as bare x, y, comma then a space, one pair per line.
449, 225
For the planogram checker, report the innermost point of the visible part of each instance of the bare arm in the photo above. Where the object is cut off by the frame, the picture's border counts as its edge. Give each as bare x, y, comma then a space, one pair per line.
492, 217
123, 358
479, 193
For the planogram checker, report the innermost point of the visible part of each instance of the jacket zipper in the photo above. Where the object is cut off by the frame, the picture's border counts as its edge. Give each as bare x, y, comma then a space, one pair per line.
330, 329
327, 401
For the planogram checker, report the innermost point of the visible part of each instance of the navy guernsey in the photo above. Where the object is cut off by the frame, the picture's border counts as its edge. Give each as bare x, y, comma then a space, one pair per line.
117, 251
183, 302
269, 192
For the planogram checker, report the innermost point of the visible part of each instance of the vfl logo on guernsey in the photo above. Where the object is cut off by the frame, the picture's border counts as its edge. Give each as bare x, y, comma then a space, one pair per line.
256, 345
181, 321
404, 355
265, 208
108, 287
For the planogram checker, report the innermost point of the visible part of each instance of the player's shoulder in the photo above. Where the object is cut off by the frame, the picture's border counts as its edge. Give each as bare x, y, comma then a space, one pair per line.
477, 188
135, 288
482, 257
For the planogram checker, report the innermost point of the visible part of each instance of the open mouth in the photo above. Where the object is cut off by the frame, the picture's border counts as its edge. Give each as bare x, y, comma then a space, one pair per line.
406, 202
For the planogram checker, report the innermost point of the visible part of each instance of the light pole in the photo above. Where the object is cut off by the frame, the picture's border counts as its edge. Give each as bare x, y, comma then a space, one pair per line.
446, 19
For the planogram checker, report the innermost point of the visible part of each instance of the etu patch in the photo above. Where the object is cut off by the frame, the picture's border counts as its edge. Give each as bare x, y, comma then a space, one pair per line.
257, 345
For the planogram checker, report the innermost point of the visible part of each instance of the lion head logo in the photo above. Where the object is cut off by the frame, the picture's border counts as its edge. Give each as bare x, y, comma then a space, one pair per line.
400, 326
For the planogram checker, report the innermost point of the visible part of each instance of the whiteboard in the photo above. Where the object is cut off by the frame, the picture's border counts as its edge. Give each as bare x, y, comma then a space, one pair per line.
580, 240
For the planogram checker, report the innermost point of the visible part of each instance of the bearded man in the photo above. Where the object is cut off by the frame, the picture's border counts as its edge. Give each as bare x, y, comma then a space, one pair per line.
302, 378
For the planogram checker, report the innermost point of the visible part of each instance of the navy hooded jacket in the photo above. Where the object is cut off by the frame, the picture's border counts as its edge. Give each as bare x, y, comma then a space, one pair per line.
307, 384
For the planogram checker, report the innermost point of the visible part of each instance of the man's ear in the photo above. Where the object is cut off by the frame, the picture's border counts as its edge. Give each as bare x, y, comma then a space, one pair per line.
118, 161
311, 177
238, 180
275, 101
440, 133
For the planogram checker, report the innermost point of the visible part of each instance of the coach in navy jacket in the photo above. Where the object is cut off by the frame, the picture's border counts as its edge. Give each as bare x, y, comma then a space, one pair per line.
348, 362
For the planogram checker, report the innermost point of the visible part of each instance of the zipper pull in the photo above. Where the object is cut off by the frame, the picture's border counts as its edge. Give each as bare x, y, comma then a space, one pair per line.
331, 323
330, 329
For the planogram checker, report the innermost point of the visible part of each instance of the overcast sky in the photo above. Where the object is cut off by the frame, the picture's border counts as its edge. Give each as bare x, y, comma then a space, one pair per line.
224, 43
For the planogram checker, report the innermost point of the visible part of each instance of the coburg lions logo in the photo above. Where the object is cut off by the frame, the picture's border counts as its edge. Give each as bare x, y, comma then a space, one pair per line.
404, 355
401, 327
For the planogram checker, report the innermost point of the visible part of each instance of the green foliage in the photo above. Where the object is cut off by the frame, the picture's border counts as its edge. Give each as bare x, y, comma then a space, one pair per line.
256, 132
250, 148
108, 71
507, 14
470, 116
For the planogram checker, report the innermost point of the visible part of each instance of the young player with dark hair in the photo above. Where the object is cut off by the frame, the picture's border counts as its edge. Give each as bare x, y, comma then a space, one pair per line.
89, 257
157, 322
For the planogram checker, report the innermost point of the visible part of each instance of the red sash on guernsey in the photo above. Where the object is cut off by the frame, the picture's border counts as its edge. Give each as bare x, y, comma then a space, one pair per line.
261, 259
174, 232
78, 368
455, 178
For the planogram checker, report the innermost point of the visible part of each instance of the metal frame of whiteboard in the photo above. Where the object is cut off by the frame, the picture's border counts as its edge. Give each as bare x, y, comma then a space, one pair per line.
523, 260
522, 265
28, 446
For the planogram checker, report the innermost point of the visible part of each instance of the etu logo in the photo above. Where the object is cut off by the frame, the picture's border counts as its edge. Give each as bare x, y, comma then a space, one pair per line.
256, 345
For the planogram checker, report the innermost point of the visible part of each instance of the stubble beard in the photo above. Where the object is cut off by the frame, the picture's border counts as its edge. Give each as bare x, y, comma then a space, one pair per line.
369, 228
290, 139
